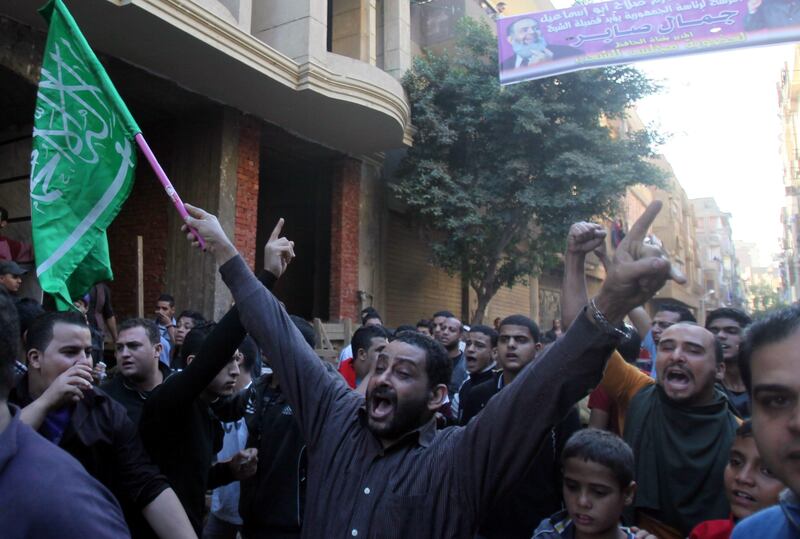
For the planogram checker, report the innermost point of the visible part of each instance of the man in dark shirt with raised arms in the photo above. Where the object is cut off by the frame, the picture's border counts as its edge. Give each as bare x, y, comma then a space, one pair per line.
401, 477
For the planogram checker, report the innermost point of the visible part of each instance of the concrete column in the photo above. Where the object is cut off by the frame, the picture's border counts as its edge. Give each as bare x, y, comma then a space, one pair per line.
534, 290
345, 240
371, 238
226, 201
354, 29
396, 37
297, 28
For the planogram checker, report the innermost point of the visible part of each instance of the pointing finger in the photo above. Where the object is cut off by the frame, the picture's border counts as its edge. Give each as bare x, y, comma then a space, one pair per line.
639, 229
276, 232
676, 275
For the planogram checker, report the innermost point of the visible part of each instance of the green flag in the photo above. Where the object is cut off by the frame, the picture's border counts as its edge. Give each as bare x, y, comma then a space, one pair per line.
82, 162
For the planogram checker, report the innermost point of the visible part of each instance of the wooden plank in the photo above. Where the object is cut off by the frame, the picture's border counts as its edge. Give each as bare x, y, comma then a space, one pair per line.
139, 277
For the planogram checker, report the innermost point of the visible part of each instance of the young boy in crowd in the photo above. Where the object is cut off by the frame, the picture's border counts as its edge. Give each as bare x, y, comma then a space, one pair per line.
749, 486
768, 364
598, 485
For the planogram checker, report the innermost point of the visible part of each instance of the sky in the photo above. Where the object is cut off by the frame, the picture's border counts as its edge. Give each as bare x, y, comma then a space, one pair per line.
720, 111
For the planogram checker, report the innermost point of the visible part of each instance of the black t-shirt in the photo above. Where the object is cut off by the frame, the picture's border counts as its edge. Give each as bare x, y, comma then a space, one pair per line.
739, 400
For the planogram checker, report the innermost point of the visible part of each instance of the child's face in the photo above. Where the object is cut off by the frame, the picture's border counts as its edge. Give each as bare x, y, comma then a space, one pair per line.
593, 496
776, 407
749, 485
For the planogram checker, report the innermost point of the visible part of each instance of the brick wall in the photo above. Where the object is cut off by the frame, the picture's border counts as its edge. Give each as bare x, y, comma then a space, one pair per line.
414, 287
145, 213
247, 178
344, 240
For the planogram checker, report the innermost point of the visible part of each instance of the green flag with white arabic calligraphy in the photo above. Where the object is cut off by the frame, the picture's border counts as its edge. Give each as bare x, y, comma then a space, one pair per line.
82, 163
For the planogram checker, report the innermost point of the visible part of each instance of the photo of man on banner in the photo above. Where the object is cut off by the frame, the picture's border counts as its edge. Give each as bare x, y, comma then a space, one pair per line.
546, 43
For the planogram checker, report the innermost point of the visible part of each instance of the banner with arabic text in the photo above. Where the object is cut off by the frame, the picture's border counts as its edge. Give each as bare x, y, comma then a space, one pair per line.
546, 43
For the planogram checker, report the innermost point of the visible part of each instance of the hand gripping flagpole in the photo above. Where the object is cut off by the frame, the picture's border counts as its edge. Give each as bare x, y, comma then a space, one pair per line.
162, 177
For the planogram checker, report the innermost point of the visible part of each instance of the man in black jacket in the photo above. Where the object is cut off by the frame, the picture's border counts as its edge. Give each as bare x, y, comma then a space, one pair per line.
138, 349
538, 492
178, 427
60, 402
480, 354
271, 502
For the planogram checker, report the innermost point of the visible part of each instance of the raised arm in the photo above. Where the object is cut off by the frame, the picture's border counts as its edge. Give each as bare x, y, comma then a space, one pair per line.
222, 343
582, 239
309, 389
503, 439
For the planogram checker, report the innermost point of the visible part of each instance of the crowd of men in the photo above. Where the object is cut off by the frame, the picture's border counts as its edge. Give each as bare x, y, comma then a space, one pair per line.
596, 428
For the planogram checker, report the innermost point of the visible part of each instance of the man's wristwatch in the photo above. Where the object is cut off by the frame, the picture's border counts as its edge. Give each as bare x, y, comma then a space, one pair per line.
622, 331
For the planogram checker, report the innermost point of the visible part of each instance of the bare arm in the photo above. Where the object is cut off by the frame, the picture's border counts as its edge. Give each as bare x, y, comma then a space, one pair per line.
641, 321
582, 239
308, 387
166, 516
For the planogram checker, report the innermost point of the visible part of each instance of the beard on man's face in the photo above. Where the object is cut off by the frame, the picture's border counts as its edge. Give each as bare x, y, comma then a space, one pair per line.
397, 416
526, 50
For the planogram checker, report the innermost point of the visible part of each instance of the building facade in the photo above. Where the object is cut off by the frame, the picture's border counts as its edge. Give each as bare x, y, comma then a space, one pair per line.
789, 112
261, 110
717, 255
257, 110
674, 229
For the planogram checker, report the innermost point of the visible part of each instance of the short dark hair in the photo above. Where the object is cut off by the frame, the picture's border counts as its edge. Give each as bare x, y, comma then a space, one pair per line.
27, 311
445, 314
486, 330
369, 313
40, 332
684, 314
9, 343
362, 338
306, 329
193, 342
603, 448
405, 327
149, 327
252, 356
738, 315
522, 320
438, 365
168, 298
194, 315
423, 323
3, 214
773, 328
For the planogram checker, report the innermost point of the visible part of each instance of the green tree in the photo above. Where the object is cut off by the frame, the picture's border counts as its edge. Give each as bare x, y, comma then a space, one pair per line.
497, 174
765, 299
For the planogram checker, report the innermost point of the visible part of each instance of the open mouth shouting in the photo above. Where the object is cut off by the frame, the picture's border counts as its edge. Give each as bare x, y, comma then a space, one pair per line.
677, 379
381, 405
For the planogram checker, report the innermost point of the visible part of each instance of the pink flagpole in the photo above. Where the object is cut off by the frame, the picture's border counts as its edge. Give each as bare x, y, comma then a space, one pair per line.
162, 177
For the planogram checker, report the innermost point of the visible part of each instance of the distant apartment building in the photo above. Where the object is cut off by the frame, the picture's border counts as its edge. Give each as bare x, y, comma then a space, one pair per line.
789, 111
717, 255
675, 229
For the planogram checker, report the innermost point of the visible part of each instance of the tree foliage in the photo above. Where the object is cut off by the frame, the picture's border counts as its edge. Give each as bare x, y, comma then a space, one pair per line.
765, 299
497, 174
